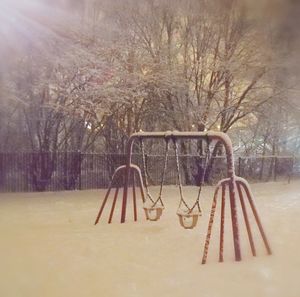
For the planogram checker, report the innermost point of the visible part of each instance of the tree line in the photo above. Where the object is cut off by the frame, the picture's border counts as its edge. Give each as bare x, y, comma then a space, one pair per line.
84, 75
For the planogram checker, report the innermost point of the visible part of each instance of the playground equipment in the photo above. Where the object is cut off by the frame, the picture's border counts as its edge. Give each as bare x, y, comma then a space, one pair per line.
188, 216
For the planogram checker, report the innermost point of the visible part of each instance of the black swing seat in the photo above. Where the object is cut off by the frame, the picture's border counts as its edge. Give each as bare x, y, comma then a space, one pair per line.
153, 213
188, 219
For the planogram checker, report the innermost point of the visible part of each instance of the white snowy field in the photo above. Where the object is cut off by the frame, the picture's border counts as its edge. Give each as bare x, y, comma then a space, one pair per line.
50, 247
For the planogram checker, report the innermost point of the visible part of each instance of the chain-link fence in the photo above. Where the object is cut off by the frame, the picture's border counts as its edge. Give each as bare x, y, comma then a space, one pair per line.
27, 172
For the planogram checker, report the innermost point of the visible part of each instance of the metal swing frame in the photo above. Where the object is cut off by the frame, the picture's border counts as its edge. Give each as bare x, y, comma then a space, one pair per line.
235, 186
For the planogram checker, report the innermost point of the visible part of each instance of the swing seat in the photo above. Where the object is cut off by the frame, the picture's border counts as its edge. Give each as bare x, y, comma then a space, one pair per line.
153, 213
188, 220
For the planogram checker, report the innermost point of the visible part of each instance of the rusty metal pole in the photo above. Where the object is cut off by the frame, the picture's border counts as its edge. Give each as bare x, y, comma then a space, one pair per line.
221, 248
234, 221
127, 173
210, 223
113, 205
250, 237
246, 187
232, 197
134, 198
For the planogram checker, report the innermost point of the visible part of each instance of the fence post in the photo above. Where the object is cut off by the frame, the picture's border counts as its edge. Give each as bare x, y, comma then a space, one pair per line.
275, 168
79, 170
239, 166
1, 172
291, 171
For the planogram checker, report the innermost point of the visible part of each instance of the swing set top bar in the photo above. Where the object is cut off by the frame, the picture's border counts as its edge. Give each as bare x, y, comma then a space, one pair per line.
211, 135
178, 134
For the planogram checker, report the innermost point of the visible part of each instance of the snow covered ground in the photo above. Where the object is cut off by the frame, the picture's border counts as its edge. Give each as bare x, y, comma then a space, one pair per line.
50, 247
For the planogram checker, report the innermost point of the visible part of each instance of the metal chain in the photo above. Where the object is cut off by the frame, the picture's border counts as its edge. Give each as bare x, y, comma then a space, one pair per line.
207, 158
178, 177
163, 173
162, 177
145, 171
182, 200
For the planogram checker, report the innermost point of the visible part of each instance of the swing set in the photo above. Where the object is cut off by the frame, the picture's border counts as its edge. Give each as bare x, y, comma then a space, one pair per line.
188, 215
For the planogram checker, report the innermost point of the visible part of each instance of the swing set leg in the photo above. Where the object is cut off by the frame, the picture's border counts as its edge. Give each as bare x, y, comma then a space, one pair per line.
125, 192
249, 232
210, 224
234, 220
122, 172
113, 206
221, 248
238, 184
235, 231
107, 195
134, 198
242, 182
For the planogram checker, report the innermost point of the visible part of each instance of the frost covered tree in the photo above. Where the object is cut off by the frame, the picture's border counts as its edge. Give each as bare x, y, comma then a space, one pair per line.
104, 69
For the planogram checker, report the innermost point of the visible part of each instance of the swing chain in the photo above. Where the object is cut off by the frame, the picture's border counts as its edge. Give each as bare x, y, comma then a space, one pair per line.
207, 157
163, 173
206, 161
145, 171
162, 181
178, 176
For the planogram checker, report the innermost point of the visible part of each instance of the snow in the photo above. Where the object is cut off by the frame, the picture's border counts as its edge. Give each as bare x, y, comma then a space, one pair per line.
50, 247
